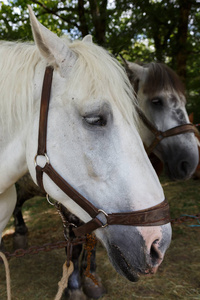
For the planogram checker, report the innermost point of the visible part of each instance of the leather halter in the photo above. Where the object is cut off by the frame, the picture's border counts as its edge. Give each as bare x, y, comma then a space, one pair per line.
160, 135
154, 216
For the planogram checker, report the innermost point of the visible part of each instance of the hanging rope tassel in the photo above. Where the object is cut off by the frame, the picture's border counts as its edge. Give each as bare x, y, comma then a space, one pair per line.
89, 246
7, 270
63, 283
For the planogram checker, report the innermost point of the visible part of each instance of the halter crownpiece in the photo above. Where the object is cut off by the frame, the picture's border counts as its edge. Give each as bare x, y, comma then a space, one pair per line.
154, 216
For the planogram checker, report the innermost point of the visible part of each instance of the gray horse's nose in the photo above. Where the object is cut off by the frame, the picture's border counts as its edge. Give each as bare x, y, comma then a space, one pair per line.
155, 238
182, 169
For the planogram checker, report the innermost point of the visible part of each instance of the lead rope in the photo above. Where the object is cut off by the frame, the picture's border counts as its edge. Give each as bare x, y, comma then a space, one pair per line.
63, 283
68, 267
7, 270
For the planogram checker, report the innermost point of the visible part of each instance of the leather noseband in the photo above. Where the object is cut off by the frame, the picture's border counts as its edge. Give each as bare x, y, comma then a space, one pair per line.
160, 135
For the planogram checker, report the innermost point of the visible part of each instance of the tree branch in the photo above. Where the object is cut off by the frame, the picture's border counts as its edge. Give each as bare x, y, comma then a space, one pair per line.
54, 12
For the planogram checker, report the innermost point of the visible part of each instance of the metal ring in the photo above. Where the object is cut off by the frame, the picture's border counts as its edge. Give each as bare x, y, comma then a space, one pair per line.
47, 197
45, 155
106, 215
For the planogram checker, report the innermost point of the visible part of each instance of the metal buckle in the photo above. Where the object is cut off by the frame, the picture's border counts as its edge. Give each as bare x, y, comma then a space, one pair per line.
105, 214
47, 197
45, 155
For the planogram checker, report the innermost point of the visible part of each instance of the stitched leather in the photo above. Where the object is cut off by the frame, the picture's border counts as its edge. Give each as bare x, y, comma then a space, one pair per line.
154, 216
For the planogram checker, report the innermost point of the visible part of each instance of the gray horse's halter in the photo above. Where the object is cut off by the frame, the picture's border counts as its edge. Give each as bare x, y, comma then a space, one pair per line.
160, 135
154, 216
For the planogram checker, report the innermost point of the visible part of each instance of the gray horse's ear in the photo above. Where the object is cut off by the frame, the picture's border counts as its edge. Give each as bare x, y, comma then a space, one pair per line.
87, 39
53, 49
128, 67
135, 71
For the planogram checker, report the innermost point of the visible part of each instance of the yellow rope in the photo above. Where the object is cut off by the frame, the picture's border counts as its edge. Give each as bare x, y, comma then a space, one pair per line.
63, 283
2, 255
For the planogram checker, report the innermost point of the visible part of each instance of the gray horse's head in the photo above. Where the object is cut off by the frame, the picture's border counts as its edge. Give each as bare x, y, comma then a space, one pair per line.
162, 99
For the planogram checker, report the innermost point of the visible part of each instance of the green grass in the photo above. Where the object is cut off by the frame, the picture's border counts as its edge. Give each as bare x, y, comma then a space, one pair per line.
36, 276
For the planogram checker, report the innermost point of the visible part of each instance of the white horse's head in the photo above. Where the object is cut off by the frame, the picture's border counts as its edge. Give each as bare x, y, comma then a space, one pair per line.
93, 143
162, 99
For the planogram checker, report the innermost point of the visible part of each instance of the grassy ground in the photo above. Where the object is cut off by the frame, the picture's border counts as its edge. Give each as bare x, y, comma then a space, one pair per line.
36, 276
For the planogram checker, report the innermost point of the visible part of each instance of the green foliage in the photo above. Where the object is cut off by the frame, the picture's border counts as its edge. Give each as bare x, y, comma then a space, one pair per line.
141, 30
14, 22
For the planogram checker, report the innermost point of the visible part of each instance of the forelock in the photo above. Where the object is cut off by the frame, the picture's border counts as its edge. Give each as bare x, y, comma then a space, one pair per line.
160, 77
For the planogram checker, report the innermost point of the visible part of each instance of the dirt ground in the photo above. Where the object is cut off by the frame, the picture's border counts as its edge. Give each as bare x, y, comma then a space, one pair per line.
36, 276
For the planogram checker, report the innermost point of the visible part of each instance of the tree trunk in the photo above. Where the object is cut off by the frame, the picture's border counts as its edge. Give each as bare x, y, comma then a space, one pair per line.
158, 48
98, 12
182, 34
83, 23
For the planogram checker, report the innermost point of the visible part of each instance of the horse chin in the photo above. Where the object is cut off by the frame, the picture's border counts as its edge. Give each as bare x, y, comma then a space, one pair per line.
169, 173
129, 256
180, 164
121, 265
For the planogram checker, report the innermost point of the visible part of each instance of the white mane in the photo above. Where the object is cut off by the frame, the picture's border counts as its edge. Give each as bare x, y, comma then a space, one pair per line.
17, 65
102, 72
94, 71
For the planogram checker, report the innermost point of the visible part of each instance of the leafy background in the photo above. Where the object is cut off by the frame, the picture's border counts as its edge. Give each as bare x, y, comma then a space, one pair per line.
142, 30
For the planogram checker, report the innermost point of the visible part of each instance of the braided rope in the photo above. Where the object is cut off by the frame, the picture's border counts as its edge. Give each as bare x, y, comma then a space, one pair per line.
7, 270
63, 283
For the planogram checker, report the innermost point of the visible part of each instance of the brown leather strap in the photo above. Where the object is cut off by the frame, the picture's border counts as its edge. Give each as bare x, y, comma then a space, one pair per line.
160, 135
42, 149
154, 216
42, 133
157, 215
189, 127
44, 108
90, 226
70, 191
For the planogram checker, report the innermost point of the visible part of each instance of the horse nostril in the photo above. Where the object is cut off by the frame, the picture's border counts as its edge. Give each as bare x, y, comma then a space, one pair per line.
155, 254
184, 166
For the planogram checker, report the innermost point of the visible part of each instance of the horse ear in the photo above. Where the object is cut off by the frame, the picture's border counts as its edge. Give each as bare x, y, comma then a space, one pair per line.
87, 39
51, 47
135, 71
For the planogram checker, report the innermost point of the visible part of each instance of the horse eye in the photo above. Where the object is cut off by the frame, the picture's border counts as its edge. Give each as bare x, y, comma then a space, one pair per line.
156, 101
95, 120
180, 114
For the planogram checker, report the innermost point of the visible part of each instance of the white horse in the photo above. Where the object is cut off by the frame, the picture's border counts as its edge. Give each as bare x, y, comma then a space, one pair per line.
92, 141
162, 99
